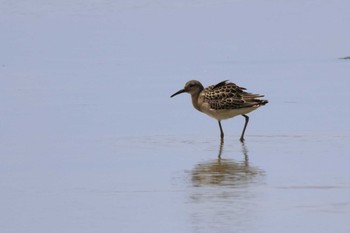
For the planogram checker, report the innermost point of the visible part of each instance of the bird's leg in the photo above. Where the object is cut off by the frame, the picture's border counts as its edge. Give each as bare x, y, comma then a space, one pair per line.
221, 132
220, 149
245, 126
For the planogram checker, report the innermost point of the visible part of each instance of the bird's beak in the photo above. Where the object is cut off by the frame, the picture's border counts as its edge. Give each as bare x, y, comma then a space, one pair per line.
179, 92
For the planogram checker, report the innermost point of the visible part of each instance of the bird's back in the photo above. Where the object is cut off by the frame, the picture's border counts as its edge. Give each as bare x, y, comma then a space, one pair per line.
227, 95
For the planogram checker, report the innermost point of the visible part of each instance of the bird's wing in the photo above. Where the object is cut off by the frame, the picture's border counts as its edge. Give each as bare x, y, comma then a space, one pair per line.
226, 95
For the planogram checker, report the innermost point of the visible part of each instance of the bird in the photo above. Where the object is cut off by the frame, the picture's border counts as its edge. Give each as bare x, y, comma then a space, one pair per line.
223, 101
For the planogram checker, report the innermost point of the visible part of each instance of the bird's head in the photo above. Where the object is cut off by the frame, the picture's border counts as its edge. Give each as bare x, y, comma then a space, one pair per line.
192, 87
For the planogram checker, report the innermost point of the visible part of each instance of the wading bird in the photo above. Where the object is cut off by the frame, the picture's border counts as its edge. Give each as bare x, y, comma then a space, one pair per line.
223, 101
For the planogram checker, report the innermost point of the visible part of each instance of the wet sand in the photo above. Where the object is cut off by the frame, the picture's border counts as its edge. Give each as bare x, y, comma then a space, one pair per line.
90, 140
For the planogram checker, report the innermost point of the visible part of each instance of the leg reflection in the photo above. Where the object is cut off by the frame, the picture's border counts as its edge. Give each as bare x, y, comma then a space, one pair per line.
245, 153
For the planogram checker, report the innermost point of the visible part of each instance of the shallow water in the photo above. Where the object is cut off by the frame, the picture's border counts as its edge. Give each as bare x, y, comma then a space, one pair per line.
90, 140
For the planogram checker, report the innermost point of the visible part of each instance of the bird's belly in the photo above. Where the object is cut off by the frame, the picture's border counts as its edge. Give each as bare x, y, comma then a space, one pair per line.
224, 114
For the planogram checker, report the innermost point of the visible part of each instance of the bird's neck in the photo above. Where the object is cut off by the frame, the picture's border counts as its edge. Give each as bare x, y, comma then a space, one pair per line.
195, 100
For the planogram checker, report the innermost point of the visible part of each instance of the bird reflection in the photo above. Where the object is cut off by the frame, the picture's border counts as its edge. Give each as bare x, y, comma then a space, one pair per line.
223, 172
224, 191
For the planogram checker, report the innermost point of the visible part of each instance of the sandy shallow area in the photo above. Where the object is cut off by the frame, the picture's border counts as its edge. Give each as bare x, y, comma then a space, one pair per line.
90, 140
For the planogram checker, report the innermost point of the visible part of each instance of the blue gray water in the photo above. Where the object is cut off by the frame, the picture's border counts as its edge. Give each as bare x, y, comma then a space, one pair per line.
90, 140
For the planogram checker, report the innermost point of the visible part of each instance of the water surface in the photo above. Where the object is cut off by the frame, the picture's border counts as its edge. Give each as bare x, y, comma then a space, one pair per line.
90, 140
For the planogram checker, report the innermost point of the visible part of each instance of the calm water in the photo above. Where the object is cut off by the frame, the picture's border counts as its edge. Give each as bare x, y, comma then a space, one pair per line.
90, 140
